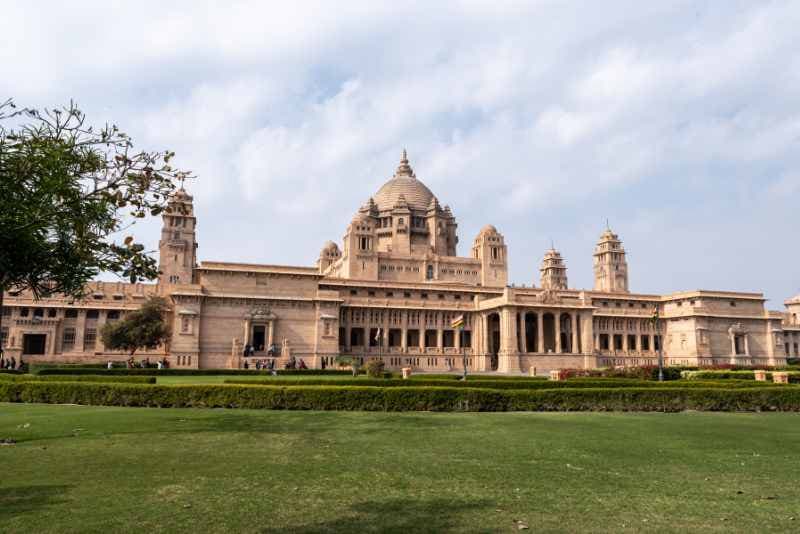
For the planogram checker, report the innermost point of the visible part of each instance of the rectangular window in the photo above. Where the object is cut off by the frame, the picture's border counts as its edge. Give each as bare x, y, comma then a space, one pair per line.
631, 342
90, 338
70, 313
186, 324
68, 340
6, 311
3, 336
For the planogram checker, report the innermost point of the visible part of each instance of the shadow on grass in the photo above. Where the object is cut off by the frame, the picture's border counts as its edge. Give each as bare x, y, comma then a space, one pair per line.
436, 515
23, 499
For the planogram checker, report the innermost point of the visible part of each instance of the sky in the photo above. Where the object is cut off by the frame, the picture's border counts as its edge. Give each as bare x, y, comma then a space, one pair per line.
676, 121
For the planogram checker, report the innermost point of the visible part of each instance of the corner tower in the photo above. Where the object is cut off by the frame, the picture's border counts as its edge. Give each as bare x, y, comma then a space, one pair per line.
177, 248
610, 264
553, 270
489, 247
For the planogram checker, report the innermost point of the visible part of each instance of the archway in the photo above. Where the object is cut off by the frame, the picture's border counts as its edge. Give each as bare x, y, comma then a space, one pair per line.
549, 327
566, 333
531, 332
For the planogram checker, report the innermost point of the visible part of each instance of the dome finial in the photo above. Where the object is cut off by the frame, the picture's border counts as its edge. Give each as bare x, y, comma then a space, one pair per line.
404, 169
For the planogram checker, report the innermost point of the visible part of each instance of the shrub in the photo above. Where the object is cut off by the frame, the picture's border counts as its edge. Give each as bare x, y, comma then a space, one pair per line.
794, 376
374, 368
663, 399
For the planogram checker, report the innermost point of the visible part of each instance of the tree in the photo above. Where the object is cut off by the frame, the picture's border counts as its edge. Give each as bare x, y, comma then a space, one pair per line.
67, 191
144, 328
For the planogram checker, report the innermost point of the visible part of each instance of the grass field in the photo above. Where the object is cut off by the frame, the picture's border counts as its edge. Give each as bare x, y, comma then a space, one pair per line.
99, 469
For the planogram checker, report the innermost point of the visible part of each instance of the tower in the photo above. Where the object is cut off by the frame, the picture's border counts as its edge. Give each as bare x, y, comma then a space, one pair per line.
553, 270
177, 248
610, 265
490, 248
329, 255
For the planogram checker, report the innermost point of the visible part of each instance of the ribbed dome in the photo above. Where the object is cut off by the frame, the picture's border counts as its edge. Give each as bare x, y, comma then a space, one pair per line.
405, 184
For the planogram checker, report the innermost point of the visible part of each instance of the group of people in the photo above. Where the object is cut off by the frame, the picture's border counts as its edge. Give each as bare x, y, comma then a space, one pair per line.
145, 363
11, 364
269, 365
250, 350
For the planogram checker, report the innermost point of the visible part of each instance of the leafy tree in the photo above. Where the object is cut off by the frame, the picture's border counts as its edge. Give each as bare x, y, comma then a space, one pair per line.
68, 191
144, 328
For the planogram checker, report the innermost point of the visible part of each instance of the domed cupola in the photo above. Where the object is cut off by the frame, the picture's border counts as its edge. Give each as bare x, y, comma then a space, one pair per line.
403, 183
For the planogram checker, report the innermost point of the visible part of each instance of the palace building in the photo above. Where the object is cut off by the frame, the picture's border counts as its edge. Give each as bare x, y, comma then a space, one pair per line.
394, 290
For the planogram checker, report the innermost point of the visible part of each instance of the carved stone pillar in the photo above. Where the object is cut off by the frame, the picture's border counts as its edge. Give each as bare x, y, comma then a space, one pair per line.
558, 331
574, 321
540, 331
271, 334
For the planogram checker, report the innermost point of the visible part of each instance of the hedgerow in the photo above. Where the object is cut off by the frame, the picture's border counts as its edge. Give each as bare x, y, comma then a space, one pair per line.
794, 376
181, 372
81, 378
581, 383
663, 399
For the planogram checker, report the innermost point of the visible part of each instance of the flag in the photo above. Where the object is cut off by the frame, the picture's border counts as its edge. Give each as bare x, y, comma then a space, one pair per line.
458, 322
378, 335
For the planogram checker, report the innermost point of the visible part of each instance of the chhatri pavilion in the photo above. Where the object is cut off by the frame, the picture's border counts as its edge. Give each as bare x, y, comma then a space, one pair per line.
396, 289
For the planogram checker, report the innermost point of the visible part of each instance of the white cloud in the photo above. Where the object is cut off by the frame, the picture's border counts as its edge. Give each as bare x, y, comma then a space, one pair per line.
538, 117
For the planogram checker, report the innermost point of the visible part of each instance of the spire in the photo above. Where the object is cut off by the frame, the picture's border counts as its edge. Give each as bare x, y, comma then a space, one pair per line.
404, 169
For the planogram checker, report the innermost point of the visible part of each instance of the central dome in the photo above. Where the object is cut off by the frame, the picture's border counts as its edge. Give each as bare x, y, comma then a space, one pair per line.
403, 184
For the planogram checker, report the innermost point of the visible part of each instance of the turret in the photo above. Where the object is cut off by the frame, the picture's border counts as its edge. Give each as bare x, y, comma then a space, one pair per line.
610, 264
553, 271
177, 248
489, 247
329, 255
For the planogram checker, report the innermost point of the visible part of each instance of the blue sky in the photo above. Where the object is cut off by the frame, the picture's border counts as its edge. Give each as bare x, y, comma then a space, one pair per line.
677, 121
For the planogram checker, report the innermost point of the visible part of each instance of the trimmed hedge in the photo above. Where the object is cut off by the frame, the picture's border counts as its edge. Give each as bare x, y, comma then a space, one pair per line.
471, 377
581, 383
404, 398
81, 378
182, 372
794, 376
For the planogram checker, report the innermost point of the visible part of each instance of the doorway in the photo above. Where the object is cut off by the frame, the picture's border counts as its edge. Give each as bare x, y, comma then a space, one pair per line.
34, 343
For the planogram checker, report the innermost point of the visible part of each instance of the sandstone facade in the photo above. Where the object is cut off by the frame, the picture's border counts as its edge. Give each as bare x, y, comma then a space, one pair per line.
393, 291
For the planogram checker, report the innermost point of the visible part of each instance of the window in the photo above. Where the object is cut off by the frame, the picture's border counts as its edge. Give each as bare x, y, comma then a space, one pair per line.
119, 297
429, 273
6, 312
619, 304
370, 293
89, 338
68, 339
3, 336
400, 222
733, 303
630, 304
423, 295
51, 312
679, 303
92, 314
389, 294
441, 297
23, 312
38, 312
456, 297
186, 324
98, 296
70, 313
406, 294
112, 315
605, 304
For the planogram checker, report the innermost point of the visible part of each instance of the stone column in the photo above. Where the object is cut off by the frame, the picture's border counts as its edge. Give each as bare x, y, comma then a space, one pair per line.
746, 345
540, 331
246, 333
733, 344
101, 321
524, 331
347, 331
652, 343
558, 332
508, 355
404, 331
574, 319
625, 341
271, 334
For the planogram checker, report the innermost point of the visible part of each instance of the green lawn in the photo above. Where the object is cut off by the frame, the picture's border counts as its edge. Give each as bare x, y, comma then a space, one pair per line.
99, 469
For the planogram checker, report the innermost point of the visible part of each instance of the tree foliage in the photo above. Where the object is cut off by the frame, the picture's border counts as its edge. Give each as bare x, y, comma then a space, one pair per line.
144, 328
67, 191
